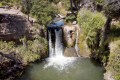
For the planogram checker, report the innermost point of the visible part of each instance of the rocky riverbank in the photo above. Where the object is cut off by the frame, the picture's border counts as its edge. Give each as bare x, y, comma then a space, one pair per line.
21, 42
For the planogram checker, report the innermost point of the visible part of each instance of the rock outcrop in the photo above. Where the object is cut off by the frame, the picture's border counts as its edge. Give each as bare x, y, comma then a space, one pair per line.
10, 66
70, 36
70, 52
13, 27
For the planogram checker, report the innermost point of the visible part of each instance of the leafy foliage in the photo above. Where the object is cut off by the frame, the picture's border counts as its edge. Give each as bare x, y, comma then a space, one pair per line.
30, 53
55, 1
112, 8
91, 24
26, 6
70, 18
114, 60
43, 11
100, 2
10, 2
90, 21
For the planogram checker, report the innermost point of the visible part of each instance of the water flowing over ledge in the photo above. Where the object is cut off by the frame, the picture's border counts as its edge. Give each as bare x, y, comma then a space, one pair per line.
56, 58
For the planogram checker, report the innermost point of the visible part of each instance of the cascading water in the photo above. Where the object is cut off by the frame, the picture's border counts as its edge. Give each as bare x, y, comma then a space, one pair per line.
76, 44
51, 49
68, 68
58, 43
56, 58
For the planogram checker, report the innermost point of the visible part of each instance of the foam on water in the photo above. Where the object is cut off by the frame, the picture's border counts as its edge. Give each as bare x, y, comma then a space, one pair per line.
59, 62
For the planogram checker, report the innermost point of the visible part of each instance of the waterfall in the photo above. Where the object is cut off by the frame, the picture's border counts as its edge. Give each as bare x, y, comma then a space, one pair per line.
76, 44
58, 43
51, 49
56, 58
58, 48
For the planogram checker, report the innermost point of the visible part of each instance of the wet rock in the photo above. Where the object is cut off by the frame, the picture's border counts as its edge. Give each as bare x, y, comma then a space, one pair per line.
70, 52
10, 66
69, 35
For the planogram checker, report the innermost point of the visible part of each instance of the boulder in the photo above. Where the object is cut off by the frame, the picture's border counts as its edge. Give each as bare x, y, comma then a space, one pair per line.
69, 35
14, 27
70, 52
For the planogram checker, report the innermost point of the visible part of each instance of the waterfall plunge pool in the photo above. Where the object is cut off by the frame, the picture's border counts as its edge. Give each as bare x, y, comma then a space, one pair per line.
79, 69
58, 67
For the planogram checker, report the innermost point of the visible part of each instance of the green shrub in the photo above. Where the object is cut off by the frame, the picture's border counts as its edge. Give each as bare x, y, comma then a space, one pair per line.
7, 46
114, 60
33, 50
100, 2
90, 21
91, 24
1, 4
44, 11
70, 18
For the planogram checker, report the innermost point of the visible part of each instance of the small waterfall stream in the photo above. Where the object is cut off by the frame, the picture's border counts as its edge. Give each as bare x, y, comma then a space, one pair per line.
76, 44
56, 57
58, 43
51, 49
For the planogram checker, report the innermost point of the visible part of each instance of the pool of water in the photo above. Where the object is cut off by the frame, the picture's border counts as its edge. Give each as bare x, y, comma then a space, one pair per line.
80, 69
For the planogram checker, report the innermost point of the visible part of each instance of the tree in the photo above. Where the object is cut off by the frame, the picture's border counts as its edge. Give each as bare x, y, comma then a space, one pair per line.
75, 4
44, 11
91, 24
27, 5
112, 11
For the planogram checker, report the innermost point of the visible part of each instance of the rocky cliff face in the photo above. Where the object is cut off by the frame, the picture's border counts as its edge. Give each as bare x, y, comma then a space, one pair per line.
13, 27
70, 36
21, 42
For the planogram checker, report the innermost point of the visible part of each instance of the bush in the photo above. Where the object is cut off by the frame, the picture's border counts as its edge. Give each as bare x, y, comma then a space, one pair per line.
90, 21
33, 51
114, 60
7, 46
70, 18
100, 2
91, 24
30, 53
44, 11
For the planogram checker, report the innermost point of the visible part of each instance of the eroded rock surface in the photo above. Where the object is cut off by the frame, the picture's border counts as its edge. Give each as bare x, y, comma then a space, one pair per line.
70, 35
70, 52
13, 27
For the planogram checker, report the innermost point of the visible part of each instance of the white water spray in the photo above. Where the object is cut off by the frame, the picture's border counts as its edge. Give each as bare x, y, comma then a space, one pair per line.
51, 49
56, 58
